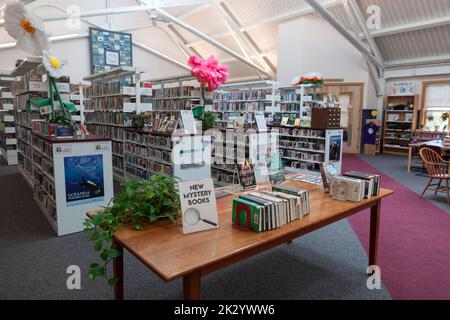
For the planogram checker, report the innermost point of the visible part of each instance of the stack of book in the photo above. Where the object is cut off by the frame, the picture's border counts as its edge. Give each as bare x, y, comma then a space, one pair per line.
264, 211
355, 186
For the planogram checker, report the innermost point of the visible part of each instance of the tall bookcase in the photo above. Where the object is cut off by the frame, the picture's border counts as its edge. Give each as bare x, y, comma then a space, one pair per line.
8, 138
60, 171
400, 121
113, 98
235, 104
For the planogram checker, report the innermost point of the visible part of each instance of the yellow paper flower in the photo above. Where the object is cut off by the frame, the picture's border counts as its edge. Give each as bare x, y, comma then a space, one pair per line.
23, 26
52, 64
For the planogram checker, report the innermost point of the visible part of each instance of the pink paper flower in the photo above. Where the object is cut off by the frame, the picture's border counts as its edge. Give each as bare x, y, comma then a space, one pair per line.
208, 72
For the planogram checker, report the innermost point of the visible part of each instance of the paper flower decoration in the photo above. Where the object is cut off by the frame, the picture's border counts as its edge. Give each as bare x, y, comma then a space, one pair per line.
52, 64
208, 72
309, 78
23, 26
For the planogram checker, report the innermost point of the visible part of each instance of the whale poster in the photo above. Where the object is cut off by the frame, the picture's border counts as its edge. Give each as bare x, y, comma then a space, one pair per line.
84, 179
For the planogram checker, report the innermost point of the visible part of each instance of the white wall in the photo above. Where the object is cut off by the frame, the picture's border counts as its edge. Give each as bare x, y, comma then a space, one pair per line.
76, 53
310, 44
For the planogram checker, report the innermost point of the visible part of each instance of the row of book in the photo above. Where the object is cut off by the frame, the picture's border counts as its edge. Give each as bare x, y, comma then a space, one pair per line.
45, 202
302, 133
118, 163
117, 147
270, 210
173, 105
138, 173
222, 177
137, 150
46, 184
148, 139
20, 86
297, 165
107, 88
42, 145
175, 92
115, 133
313, 146
24, 148
108, 103
108, 118
44, 163
23, 134
239, 106
241, 95
303, 155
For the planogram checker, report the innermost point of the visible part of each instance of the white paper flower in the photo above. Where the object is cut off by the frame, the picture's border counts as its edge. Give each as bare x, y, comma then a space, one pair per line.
52, 64
23, 26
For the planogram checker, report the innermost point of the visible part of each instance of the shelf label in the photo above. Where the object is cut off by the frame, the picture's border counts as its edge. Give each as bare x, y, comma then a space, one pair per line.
144, 107
131, 91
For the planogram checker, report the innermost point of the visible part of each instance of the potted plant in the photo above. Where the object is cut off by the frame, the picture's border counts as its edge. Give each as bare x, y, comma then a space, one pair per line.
208, 120
140, 203
137, 121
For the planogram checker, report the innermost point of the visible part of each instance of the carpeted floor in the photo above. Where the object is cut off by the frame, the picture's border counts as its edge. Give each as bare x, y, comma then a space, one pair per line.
414, 243
328, 264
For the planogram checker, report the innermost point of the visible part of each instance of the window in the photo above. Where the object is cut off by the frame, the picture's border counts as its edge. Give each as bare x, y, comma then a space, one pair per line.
436, 105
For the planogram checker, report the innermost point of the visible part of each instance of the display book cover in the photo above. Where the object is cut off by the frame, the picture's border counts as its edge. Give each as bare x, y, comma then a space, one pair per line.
246, 175
347, 189
84, 179
198, 205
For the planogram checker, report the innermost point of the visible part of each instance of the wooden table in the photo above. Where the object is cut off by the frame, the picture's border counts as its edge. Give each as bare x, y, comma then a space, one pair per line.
435, 144
163, 248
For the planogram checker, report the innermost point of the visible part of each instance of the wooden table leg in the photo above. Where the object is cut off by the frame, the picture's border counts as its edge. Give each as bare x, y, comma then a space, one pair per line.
118, 272
191, 286
374, 227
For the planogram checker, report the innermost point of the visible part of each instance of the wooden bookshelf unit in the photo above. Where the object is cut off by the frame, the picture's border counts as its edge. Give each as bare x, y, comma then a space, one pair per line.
400, 121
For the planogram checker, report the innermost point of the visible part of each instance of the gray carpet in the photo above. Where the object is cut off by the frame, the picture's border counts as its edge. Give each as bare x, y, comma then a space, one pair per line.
395, 167
328, 264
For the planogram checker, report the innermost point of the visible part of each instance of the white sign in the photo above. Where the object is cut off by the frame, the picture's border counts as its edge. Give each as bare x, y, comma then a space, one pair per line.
208, 107
403, 88
129, 107
261, 121
198, 205
188, 121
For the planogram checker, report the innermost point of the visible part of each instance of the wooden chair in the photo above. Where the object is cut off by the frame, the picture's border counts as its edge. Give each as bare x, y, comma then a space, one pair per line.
438, 169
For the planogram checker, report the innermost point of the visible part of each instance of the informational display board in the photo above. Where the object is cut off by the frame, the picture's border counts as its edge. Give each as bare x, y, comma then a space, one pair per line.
83, 181
109, 50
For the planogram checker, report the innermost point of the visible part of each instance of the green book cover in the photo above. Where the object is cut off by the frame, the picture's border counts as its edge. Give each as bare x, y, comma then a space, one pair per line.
246, 215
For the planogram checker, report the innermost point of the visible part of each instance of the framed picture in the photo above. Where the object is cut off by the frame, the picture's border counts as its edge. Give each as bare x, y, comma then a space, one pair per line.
109, 49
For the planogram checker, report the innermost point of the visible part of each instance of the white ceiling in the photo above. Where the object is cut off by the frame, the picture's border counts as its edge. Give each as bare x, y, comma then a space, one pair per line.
412, 31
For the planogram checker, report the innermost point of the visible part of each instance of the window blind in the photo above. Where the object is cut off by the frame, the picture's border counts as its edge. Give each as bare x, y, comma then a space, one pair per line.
438, 98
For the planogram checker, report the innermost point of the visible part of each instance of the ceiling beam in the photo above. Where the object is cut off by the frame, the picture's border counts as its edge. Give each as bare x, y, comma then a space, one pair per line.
420, 25
213, 42
344, 32
362, 24
273, 19
443, 59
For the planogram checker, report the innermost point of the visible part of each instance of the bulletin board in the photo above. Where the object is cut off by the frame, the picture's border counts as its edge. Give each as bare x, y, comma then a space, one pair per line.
109, 50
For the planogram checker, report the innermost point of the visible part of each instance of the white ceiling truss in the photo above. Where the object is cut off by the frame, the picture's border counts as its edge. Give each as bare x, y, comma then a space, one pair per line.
239, 44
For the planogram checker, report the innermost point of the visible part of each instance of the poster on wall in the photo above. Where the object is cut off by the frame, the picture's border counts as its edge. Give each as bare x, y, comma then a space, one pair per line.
403, 88
335, 148
109, 50
84, 179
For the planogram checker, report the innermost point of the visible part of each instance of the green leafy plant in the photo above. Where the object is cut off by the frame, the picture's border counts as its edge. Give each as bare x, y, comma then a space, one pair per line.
140, 203
430, 118
445, 116
208, 119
